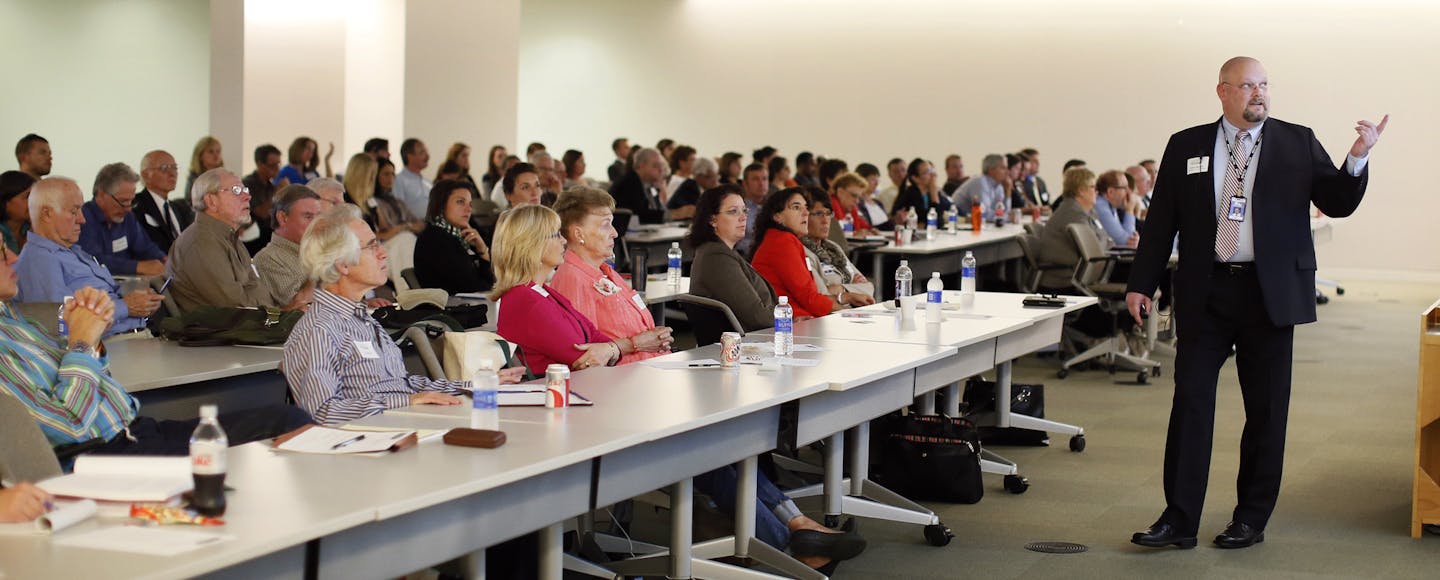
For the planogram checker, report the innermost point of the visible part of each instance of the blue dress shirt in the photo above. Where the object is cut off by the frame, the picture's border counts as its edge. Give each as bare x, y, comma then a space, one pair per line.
99, 237
1119, 227
49, 272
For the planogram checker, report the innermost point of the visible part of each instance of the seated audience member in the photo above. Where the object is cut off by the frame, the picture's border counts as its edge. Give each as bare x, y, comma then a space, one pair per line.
705, 174
919, 194
395, 224
261, 182
1114, 209
755, 185
377, 148
111, 233
896, 172
639, 191
339, 362
718, 271
780, 257
682, 165
410, 187
829, 170
521, 186
449, 254
359, 183
448, 170
870, 207
209, 265
987, 190
954, 175
458, 158
73, 398
1056, 247
807, 170
592, 286
32, 156
574, 163
1071, 164
205, 156
1036, 191
331, 192
779, 169
15, 208
255, 228
730, 166
23, 502
302, 163
162, 220
494, 170
829, 265
621, 148
845, 192
541, 322
54, 265
666, 147
550, 182
533, 147
1015, 164
279, 262
1140, 188
763, 155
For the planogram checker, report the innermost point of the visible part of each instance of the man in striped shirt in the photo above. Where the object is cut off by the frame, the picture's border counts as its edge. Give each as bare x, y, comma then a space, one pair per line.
72, 396
340, 363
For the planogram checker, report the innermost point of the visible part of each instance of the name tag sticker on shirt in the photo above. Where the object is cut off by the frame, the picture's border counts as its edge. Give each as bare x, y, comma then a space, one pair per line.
639, 302
255, 270
119, 244
366, 349
150, 219
1197, 165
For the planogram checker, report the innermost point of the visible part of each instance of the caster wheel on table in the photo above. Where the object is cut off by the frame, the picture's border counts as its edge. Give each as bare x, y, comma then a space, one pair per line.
1112, 368
938, 534
1062, 373
1339, 291
1077, 443
1142, 378
1016, 484
1154, 371
832, 521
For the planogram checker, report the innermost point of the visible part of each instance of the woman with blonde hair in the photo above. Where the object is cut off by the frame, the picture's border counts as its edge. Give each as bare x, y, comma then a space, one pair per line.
360, 175
459, 154
205, 157
544, 325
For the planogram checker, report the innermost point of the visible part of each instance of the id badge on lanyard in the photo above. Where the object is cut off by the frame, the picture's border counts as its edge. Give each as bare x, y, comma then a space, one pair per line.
1236, 211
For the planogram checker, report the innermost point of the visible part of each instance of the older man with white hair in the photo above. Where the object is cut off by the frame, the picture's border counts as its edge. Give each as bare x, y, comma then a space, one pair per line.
209, 265
163, 221
987, 190
331, 192
640, 190
340, 363
53, 265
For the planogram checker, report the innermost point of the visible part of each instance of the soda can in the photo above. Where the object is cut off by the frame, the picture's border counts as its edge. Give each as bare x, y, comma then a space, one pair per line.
1015, 214
729, 349
557, 386
900, 235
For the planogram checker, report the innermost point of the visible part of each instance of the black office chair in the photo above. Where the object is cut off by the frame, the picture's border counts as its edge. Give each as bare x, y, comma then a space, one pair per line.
709, 318
1091, 275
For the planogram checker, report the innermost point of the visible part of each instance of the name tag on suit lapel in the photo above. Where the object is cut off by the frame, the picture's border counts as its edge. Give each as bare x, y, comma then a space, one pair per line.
1195, 165
151, 221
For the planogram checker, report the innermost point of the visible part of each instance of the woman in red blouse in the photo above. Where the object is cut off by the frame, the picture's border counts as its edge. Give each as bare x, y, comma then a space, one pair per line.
528, 246
780, 257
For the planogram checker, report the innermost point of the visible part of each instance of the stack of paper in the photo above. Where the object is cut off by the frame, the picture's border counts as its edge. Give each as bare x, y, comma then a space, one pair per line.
124, 479
328, 441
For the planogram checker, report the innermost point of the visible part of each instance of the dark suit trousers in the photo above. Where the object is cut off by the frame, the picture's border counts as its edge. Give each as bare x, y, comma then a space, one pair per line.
1234, 314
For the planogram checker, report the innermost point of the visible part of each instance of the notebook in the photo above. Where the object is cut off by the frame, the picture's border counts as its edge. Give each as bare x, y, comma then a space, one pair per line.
123, 479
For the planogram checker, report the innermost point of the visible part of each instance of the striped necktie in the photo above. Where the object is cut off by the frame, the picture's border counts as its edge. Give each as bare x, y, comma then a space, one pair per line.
1227, 233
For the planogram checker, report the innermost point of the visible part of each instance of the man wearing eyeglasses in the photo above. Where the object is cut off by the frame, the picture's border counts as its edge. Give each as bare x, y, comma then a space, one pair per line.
112, 233
162, 220
1237, 192
53, 265
209, 265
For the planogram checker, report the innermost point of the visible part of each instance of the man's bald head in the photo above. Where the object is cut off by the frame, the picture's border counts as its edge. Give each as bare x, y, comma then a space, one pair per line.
1244, 91
159, 172
1235, 64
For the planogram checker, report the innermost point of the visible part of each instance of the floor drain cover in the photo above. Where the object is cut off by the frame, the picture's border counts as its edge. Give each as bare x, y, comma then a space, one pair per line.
1056, 547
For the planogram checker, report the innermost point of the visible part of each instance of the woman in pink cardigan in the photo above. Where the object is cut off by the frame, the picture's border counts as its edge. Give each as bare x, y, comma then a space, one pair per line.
548, 329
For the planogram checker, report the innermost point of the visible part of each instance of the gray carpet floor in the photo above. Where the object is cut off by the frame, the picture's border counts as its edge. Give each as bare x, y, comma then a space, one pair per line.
1344, 509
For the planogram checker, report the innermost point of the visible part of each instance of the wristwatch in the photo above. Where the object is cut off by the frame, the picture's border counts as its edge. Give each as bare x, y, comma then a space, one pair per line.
83, 347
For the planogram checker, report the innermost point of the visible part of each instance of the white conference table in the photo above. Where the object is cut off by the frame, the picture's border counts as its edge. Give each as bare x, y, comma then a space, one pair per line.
172, 381
655, 240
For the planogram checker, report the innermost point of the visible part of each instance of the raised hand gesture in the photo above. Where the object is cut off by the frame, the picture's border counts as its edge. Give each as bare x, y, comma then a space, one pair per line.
1369, 135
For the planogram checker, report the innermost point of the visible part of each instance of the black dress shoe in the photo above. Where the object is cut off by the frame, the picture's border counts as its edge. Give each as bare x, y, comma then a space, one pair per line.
1162, 535
834, 546
1239, 535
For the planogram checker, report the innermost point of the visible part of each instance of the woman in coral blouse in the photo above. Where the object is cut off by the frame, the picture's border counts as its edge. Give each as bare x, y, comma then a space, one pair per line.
528, 246
593, 287
780, 257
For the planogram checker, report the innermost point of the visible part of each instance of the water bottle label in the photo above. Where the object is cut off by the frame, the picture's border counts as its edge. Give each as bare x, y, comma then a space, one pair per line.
207, 458
783, 325
486, 398
930, 222
674, 262
967, 272
934, 297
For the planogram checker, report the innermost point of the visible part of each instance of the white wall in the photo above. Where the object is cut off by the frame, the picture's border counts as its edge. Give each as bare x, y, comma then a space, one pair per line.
104, 81
1104, 81
294, 75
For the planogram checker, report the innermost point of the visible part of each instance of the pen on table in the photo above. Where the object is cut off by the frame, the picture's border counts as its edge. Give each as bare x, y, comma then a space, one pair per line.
346, 442
701, 365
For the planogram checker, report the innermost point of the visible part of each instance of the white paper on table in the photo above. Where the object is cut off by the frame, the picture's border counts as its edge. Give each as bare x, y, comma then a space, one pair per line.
770, 346
142, 540
328, 441
65, 514
779, 361
682, 364
422, 435
123, 478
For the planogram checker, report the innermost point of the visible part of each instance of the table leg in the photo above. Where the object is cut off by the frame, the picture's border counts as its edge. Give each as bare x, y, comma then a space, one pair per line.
877, 275
682, 516
552, 552
952, 400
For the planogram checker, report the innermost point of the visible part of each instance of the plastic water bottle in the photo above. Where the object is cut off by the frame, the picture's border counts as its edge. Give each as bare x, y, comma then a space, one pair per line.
673, 273
61, 327
932, 221
784, 327
912, 221
485, 398
903, 279
952, 220
208, 445
967, 281
934, 295
977, 215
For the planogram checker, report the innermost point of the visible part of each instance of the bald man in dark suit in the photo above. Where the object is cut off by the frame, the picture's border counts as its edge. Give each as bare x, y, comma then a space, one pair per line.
1238, 193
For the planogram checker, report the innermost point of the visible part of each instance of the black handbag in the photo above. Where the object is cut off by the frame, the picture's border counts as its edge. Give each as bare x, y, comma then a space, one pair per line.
930, 457
1024, 400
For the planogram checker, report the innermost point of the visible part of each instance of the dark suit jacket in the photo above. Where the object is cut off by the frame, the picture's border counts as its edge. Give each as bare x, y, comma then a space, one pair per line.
1294, 172
153, 220
616, 171
630, 194
442, 261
